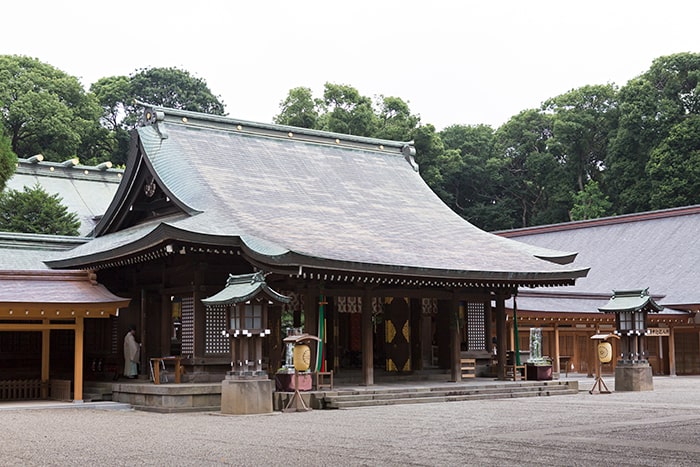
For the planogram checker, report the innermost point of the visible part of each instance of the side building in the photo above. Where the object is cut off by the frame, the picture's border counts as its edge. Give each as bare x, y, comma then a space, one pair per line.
655, 250
84, 190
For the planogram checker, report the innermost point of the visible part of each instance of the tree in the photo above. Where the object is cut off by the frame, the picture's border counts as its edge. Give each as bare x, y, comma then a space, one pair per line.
33, 210
347, 111
167, 87
650, 106
532, 178
8, 161
674, 166
583, 121
170, 87
471, 175
590, 203
394, 119
299, 109
43, 110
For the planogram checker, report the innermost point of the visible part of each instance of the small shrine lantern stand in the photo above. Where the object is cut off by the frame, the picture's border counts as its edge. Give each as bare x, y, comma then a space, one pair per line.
247, 388
631, 307
604, 353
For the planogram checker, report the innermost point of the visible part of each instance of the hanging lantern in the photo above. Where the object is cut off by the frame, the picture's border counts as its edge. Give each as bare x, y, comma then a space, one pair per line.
302, 357
605, 352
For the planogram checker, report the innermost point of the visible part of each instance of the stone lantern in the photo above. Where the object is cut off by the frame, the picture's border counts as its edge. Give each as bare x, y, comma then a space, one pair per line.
247, 388
631, 307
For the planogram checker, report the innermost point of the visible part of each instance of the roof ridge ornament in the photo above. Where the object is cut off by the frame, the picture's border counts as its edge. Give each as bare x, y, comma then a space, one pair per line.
151, 117
409, 152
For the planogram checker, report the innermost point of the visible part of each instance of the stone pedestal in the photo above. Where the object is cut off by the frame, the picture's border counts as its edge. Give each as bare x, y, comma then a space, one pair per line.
633, 377
246, 396
538, 372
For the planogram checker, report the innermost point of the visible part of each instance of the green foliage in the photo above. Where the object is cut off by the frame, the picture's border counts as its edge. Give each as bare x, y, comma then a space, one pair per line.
33, 210
167, 87
650, 106
674, 166
342, 109
583, 119
531, 177
394, 119
299, 109
590, 203
43, 110
8, 161
346, 111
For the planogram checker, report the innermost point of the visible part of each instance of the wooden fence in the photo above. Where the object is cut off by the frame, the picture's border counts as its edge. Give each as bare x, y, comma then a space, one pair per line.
31, 389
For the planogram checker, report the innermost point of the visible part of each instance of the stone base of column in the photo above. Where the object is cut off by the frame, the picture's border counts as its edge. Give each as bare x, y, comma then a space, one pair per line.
246, 396
633, 377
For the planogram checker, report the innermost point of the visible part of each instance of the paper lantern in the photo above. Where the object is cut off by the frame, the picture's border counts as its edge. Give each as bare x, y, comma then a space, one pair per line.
302, 357
604, 352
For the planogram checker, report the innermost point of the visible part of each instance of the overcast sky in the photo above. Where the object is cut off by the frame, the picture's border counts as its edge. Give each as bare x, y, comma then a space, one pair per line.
455, 62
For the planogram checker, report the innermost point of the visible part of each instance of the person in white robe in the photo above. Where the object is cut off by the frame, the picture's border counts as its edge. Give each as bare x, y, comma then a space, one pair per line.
132, 352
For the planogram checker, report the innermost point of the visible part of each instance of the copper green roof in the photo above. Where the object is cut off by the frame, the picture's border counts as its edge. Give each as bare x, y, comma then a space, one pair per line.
631, 300
242, 288
298, 200
86, 191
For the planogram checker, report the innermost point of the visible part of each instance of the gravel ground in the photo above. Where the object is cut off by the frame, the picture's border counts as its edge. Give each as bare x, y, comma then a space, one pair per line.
660, 427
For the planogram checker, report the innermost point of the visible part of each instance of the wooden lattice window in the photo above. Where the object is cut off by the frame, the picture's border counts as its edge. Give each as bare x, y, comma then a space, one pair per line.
216, 342
476, 326
114, 333
187, 326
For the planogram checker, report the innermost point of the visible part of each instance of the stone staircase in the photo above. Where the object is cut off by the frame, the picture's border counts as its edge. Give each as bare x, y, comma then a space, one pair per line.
97, 391
345, 399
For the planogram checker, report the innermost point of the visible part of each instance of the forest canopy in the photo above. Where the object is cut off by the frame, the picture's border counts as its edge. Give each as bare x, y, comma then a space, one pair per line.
598, 150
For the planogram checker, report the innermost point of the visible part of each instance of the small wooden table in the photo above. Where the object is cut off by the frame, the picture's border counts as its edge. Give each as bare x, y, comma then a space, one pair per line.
156, 362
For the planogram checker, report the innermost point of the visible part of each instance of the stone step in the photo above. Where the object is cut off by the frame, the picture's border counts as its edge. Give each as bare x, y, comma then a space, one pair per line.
522, 386
444, 393
348, 399
455, 398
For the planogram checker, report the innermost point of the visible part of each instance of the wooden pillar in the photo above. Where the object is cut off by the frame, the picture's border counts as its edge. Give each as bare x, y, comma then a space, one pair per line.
488, 326
672, 351
455, 342
78, 360
557, 365
501, 335
367, 341
311, 299
334, 337
142, 330
45, 359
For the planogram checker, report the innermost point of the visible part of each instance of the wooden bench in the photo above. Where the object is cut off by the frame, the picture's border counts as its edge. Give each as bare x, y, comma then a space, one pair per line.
513, 371
468, 367
324, 380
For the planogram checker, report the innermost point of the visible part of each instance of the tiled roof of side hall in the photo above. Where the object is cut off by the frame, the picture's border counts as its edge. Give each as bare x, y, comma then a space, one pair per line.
293, 197
655, 250
84, 190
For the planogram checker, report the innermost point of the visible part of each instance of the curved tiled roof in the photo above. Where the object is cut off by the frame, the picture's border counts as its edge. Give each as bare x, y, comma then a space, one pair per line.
84, 190
655, 250
298, 198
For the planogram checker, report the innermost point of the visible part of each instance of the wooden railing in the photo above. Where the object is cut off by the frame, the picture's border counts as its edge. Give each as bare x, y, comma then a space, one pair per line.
20, 389
31, 389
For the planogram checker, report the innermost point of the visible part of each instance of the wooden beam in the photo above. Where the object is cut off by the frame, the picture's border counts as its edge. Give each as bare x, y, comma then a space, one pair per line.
35, 327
